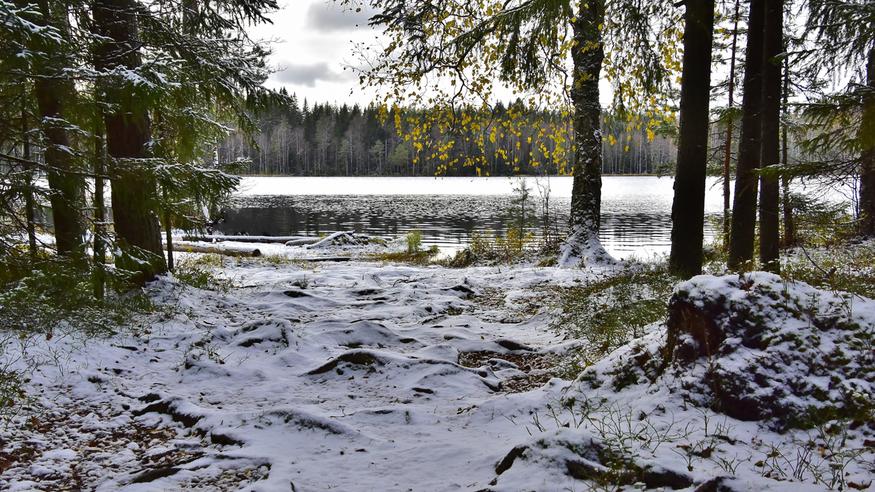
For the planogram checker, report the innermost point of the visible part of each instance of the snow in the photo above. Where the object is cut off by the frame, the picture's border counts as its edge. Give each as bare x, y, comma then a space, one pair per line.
348, 376
583, 247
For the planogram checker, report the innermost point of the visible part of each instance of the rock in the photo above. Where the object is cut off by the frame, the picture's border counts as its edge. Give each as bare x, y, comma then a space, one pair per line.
513, 346
467, 292
506, 462
296, 294
755, 347
155, 474
358, 358
718, 484
593, 461
171, 407
655, 477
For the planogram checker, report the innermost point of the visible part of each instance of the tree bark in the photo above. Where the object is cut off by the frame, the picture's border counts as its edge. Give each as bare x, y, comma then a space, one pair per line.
168, 231
29, 205
787, 205
688, 208
727, 149
773, 40
99, 212
128, 130
741, 234
867, 159
587, 57
52, 91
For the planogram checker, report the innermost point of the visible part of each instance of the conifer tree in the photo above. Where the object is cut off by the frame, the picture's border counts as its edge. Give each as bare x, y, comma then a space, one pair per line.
741, 234
688, 207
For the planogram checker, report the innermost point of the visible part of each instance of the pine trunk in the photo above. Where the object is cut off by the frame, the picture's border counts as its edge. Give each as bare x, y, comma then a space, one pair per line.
52, 91
128, 131
99, 213
66, 188
688, 208
727, 148
744, 204
587, 57
787, 205
29, 203
867, 159
168, 231
770, 239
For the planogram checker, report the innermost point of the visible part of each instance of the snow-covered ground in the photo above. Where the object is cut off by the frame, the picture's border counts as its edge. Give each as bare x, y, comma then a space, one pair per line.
360, 376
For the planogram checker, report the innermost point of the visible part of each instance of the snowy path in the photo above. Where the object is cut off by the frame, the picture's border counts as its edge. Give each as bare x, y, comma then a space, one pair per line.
346, 377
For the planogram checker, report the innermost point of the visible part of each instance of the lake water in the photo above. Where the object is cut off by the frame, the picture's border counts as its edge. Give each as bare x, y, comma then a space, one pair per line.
636, 210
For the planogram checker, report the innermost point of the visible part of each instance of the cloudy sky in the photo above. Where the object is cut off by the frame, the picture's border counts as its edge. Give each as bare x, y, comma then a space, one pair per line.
312, 42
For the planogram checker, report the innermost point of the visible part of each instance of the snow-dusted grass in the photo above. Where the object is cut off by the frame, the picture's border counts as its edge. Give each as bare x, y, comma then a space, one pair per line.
372, 376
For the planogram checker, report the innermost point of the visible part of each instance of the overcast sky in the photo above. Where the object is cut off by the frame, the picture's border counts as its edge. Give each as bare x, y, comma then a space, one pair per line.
312, 42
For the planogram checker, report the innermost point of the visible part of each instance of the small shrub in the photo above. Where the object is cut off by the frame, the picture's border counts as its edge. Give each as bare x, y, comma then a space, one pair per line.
610, 312
850, 268
511, 247
12, 392
414, 242
56, 291
418, 257
198, 271
820, 223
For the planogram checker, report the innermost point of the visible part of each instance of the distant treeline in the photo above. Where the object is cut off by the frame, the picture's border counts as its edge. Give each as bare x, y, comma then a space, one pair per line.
298, 139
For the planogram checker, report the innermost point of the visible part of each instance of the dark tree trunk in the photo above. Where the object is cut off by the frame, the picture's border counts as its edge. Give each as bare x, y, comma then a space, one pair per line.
727, 149
52, 91
787, 205
29, 205
744, 203
66, 188
587, 57
99, 212
688, 208
168, 230
867, 159
128, 131
773, 40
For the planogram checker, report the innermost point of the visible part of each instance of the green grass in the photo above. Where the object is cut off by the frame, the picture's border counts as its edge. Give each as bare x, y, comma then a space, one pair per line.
847, 268
199, 271
607, 313
419, 257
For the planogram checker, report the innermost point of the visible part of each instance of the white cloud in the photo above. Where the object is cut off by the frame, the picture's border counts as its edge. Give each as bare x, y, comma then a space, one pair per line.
330, 16
308, 74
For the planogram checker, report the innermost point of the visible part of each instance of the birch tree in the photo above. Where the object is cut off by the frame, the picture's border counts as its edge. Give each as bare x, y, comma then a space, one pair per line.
450, 54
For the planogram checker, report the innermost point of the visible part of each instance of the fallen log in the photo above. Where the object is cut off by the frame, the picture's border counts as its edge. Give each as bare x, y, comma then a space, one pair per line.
304, 241
327, 258
339, 238
218, 238
223, 250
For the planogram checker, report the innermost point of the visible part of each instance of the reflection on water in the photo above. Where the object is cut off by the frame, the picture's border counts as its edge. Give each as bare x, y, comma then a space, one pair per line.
636, 211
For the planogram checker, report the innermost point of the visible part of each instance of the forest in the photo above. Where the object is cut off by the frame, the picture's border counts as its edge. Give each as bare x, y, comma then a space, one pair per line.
353, 141
564, 245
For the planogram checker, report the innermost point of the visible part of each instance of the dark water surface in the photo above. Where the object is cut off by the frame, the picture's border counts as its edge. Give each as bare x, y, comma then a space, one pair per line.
636, 211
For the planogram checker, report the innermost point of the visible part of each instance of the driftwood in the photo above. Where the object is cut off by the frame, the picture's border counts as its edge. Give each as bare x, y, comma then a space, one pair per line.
338, 239
304, 241
182, 247
243, 251
218, 238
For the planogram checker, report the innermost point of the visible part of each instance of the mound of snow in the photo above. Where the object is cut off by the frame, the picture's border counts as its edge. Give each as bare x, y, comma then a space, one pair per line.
758, 348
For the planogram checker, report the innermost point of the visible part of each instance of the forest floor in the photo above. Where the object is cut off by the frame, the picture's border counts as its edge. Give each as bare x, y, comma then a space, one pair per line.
371, 376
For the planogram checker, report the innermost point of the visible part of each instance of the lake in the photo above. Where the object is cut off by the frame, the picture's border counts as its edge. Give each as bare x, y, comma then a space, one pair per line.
636, 210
